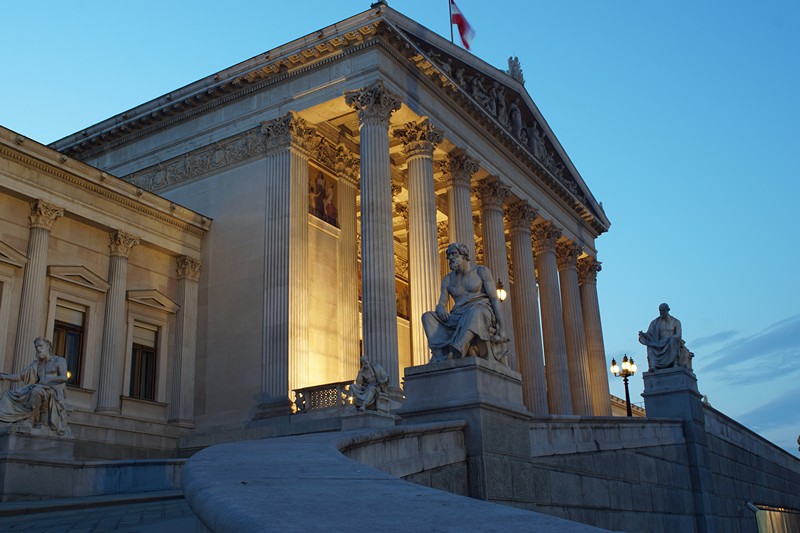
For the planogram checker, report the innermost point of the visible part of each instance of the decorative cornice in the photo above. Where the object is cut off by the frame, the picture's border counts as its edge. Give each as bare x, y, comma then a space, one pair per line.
188, 267
588, 267
520, 215
461, 167
121, 243
419, 138
545, 236
288, 131
374, 103
567, 253
43, 214
492, 192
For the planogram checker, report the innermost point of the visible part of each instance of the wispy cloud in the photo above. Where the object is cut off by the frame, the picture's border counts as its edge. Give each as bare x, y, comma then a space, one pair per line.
716, 338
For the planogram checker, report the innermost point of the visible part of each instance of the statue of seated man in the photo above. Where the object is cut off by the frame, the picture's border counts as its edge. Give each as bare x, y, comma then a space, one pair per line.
664, 341
41, 400
474, 326
372, 380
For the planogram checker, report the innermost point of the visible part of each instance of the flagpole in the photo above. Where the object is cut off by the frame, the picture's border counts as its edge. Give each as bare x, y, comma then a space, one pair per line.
450, 9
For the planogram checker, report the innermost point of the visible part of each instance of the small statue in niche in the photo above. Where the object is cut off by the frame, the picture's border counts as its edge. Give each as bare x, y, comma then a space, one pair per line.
372, 380
41, 401
474, 326
664, 340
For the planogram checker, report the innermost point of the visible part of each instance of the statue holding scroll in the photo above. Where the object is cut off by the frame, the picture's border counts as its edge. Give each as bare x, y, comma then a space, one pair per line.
474, 326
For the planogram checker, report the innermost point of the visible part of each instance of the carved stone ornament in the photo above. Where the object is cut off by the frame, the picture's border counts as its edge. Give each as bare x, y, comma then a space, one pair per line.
588, 267
462, 166
515, 69
121, 243
401, 208
419, 138
401, 267
288, 130
346, 165
545, 237
492, 192
567, 254
188, 267
375, 104
520, 215
43, 215
441, 234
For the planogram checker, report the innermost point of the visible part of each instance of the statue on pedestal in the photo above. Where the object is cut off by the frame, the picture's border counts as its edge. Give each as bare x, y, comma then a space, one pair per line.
664, 341
371, 381
474, 326
41, 401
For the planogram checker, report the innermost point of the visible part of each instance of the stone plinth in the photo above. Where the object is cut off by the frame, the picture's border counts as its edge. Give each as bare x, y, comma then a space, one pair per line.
34, 443
354, 419
672, 393
457, 383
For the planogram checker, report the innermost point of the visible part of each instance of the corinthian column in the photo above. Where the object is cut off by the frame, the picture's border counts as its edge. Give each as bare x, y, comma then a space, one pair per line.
567, 255
285, 314
527, 326
375, 105
555, 348
32, 305
419, 140
588, 267
347, 170
112, 355
181, 405
459, 201
491, 195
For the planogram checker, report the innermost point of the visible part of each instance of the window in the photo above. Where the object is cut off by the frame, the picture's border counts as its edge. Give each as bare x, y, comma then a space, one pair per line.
68, 335
144, 362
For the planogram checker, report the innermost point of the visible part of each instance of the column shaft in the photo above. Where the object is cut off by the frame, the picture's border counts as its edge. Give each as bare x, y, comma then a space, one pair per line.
459, 199
525, 297
573, 328
32, 304
349, 350
112, 355
588, 267
555, 348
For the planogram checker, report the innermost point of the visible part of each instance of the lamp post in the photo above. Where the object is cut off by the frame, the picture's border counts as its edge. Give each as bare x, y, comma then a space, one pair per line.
628, 369
501, 291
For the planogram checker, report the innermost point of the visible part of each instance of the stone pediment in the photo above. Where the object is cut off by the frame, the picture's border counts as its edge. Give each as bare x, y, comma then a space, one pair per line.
10, 256
153, 298
79, 275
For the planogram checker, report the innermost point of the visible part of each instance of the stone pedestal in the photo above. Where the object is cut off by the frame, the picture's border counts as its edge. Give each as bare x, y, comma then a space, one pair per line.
488, 396
355, 419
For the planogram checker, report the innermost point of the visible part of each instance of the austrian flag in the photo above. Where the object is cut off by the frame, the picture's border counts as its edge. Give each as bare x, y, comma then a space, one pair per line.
464, 29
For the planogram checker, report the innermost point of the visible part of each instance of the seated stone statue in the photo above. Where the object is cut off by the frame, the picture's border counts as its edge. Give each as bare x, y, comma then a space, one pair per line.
474, 326
664, 341
372, 380
41, 400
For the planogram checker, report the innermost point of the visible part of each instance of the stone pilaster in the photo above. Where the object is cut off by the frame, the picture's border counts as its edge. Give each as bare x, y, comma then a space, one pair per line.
349, 349
491, 195
181, 405
459, 200
375, 105
525, 296
588, 267
112, 355
567, 256
285, 314
419, 140
32, 304
545, 236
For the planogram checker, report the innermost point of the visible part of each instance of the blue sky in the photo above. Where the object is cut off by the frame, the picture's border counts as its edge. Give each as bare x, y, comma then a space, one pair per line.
681, 116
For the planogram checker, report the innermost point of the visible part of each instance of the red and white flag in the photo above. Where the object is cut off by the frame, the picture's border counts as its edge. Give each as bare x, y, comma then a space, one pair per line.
464, 29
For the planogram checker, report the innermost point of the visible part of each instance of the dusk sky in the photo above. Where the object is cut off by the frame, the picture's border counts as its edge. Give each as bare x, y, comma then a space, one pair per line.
682, 117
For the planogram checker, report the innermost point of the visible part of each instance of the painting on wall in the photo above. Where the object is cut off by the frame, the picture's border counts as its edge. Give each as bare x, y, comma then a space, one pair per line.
323, 196
403, 297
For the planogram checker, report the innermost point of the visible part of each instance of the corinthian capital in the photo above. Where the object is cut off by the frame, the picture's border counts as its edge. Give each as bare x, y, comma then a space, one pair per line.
462, 166
520, 215
43, 214
492, 192
375, 104
188, 267
544, 237
121, 243
288, 130
346, 165
567, 254
588, 267
419, 138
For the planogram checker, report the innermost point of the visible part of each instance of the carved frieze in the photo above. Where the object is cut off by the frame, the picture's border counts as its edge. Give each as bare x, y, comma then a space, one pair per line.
44, 214
374, 104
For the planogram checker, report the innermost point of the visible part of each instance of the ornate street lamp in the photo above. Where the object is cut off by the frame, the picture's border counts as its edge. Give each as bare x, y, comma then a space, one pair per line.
501, 291
628, 369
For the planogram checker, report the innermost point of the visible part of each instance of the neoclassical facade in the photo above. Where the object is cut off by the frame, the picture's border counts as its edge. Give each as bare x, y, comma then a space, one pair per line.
336, 169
